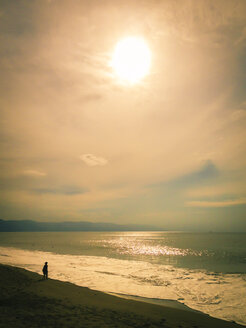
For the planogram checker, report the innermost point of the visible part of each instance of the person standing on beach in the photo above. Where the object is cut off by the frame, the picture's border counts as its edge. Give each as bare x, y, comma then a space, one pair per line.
45, 270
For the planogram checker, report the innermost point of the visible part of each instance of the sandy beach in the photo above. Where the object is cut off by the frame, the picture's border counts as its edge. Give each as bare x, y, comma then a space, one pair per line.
26, 300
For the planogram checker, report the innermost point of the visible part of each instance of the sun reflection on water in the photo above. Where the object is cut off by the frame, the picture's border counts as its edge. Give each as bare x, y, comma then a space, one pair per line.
125, 246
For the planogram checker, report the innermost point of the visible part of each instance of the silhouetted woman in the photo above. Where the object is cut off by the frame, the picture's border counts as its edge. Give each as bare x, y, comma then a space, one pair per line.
45, 270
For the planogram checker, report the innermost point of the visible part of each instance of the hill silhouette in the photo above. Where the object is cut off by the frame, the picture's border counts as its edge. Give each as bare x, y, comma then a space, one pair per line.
30, 225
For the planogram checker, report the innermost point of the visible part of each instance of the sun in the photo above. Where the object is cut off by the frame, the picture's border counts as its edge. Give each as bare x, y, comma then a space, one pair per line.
131, 59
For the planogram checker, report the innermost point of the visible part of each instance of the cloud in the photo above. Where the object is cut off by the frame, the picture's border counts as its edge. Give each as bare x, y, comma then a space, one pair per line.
207, 173
64, 190
34, 173
226, 203
92, 160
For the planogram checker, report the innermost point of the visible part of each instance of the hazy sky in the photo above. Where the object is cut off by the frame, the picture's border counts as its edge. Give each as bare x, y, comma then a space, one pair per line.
78, 144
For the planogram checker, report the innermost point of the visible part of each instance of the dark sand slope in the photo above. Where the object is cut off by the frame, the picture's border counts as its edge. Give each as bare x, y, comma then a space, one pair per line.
28, 301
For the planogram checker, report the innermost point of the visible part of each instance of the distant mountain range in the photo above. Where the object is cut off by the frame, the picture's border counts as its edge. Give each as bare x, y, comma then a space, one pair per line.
29, 225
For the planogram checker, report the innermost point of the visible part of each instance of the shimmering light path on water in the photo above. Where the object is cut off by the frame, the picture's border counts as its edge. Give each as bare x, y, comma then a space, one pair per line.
219, 252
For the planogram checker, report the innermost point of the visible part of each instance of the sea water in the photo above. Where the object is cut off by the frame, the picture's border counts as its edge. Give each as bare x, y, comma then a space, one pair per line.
205, 271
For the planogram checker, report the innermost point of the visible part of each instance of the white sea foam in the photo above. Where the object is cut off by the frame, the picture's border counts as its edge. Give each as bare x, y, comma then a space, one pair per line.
220, 295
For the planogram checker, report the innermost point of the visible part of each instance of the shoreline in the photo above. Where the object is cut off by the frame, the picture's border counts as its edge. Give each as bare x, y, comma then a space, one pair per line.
27, 300
174, 304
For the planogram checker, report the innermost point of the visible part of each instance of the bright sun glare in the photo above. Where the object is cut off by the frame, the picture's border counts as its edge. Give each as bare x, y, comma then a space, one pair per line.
131, 59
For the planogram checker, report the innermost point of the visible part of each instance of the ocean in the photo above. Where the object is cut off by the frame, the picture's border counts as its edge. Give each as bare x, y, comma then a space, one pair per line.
204, 271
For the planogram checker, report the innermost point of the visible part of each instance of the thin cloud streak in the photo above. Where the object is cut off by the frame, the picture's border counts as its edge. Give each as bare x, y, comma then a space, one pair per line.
225, 203
65, 190
34, 173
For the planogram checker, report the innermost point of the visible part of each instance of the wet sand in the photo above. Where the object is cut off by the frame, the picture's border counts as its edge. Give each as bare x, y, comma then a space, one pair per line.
26, 300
